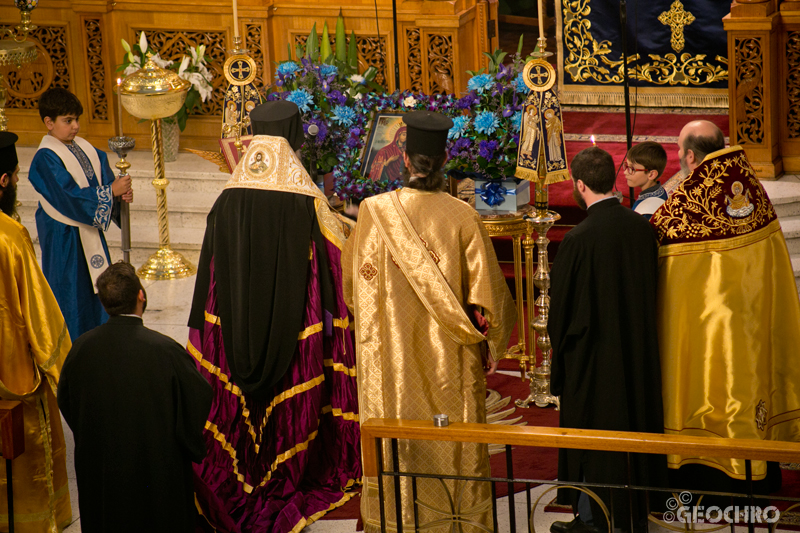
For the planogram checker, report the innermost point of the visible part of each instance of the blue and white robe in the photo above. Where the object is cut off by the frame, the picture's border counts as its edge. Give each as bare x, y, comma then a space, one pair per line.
63, 260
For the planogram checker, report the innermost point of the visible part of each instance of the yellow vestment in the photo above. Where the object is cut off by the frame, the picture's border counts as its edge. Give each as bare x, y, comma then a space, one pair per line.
413, 268
728, 312
33, 344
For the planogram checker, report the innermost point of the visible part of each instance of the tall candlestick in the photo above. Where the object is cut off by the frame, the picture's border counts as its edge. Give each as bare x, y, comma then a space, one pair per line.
541, 18
235, 18
119, 107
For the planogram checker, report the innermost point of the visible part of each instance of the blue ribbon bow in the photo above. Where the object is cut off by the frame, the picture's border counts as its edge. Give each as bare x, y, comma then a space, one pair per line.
493, 193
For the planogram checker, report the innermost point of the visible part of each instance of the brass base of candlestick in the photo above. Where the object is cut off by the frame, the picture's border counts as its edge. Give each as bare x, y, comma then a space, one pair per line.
166, 264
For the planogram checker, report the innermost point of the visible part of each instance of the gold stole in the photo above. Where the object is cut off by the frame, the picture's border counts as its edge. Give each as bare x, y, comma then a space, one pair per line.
417, 265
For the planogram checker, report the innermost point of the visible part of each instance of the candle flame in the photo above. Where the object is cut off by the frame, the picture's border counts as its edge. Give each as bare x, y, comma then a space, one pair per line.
119, 81
592, 139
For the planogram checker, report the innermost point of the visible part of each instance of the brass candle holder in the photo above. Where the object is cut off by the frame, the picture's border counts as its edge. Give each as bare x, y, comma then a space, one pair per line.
16, 50
122, 146
153, 93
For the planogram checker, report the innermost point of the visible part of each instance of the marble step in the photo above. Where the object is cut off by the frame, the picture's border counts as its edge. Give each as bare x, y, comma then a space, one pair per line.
785, 196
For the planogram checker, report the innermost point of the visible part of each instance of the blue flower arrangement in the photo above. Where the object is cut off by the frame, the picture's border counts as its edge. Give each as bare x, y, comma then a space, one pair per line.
485, 134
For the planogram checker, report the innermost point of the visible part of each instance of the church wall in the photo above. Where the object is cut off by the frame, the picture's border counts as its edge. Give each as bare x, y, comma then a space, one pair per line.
79, 49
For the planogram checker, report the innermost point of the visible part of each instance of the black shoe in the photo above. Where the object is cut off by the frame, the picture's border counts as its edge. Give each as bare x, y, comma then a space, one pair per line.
576, 526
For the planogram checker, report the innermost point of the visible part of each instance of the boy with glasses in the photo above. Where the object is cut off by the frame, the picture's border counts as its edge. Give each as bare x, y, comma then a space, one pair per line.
644, 165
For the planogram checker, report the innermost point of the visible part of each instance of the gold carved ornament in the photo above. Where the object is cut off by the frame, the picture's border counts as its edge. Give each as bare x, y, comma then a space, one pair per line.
696, 212
414, 59
793, 83
586, 58
750, 91
97, 71
51, 68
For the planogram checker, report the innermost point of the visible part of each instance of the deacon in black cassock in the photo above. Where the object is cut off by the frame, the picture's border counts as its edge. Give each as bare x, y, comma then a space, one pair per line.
137, 406
603, 331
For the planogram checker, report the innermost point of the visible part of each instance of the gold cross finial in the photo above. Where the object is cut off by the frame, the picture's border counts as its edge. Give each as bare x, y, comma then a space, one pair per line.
677, 19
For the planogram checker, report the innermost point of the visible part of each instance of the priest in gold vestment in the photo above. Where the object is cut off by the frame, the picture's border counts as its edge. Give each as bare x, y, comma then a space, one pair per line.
33, 344
728, 309
417, 269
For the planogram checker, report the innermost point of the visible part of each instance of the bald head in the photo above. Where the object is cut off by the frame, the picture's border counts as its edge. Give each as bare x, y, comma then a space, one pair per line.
698, 139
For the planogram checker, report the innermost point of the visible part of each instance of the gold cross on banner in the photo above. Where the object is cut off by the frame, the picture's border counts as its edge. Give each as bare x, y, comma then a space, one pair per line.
677, 19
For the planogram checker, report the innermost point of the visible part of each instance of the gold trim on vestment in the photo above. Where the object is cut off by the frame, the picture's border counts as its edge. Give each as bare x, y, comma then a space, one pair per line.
56, 351
285, 395
339, 367
343, 323
721, 244
285, 456
316, 516
213, 319
47, 443
335, 411
310, 330
334, 227
229, 386
220, 437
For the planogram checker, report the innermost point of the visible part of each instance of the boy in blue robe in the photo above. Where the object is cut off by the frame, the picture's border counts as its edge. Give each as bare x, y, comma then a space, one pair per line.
78, 199
644, 165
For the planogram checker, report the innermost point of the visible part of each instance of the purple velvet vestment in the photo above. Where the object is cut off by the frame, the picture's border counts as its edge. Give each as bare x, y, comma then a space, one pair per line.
283, 462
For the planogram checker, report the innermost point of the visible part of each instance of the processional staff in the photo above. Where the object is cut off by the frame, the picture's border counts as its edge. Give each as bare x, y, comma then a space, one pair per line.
121, 146
544, 162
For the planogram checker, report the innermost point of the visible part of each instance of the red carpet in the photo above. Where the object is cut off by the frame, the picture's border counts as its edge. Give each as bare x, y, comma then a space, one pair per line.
528, 463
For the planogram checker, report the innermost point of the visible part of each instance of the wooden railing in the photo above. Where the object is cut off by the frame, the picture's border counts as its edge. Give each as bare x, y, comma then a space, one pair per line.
374, 432
581, 439
12, 439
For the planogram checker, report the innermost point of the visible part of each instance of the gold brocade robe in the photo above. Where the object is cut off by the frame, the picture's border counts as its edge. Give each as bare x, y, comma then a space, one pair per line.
728, 312
421, 356
33, 344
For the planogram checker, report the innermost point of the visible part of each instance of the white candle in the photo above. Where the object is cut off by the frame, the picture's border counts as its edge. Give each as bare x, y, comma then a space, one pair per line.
119, 106
541, 18
235, 18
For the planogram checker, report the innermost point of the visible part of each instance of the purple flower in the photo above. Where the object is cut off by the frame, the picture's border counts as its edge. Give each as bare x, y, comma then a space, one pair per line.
486, 149
338, 97
507, 111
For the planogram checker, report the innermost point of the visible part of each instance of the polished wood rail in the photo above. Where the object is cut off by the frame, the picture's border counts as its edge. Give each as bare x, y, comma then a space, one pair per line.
544, 437
12, 430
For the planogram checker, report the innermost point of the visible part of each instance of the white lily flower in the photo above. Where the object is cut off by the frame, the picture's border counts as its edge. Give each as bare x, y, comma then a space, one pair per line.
126, 46
143, 43
357, 78
163, 63
194, 56
184, 64
359, 96
201, 51
131, 69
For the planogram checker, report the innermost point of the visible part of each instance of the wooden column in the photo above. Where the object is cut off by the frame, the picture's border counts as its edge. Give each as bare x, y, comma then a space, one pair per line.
753, 86
789, 46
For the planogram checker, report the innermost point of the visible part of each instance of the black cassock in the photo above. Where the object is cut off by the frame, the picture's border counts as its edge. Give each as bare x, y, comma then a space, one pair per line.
605, 346
136, 405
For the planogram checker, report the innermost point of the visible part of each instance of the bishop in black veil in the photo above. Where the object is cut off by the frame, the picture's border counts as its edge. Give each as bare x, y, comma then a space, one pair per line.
269, 328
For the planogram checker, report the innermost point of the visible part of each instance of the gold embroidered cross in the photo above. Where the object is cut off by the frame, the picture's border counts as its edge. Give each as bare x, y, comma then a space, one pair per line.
677, 19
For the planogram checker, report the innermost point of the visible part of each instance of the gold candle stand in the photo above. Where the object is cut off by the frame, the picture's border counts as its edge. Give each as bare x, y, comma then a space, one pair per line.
166, 263
154, 93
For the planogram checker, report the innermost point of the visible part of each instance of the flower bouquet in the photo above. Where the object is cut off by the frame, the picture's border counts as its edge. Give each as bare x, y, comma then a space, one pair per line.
325, 84
192, 68
485, 134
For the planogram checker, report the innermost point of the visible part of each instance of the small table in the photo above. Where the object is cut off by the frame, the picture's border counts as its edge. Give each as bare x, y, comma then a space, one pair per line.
521, 232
